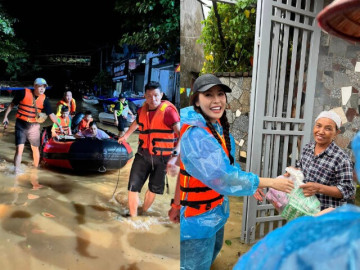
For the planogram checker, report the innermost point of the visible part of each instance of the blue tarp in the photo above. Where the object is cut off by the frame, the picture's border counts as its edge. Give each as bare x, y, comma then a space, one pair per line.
330, 241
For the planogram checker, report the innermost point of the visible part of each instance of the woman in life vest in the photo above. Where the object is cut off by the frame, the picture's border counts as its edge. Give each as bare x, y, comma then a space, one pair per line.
64, 121
208, 174
66, 101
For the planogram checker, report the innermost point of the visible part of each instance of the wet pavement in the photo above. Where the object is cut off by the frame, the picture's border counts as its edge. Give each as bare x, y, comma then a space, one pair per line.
59, 219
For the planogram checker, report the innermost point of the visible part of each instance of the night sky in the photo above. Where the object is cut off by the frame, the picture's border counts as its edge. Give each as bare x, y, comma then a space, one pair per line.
66, 27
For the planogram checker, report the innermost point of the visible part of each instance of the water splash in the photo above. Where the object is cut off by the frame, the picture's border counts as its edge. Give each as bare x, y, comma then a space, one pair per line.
142, 223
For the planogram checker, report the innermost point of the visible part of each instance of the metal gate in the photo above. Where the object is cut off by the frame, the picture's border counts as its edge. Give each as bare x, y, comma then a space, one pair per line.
283, 86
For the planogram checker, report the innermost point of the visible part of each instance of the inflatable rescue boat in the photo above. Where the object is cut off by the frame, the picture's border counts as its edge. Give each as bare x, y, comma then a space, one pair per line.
84, 154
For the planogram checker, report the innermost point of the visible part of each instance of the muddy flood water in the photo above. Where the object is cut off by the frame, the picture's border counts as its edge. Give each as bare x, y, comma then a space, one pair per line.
58, 219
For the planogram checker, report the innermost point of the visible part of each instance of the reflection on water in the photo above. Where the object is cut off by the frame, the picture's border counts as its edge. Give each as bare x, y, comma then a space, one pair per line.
54, 219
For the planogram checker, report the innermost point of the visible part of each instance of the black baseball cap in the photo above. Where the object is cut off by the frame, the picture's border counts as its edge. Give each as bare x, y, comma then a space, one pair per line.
206, 81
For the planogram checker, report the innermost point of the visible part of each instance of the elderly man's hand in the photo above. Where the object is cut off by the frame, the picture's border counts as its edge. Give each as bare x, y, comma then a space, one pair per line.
310, 188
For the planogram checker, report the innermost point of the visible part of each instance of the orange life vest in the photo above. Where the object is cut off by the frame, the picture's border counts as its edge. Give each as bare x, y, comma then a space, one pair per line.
26, 109
64, 123
72, 108
197, 196
157, 137
84, 124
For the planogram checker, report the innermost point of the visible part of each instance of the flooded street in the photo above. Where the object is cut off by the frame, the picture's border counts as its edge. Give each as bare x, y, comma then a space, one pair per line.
59, 219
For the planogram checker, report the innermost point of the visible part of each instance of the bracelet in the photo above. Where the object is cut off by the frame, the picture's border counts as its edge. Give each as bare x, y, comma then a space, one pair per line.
175, 206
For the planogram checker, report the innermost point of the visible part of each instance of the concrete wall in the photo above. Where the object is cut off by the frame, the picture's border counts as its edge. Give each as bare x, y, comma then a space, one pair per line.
191, 53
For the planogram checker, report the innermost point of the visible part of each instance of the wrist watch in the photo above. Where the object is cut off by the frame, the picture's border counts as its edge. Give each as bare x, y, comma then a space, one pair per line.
175, 206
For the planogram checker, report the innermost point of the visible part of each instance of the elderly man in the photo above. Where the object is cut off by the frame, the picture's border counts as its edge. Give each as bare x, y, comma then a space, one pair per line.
159, 126
31, 104
327, 168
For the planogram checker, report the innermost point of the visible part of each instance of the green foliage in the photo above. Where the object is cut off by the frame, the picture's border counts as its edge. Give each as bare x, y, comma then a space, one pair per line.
238, 28
12, 54
103, 80
228, 242
151, 25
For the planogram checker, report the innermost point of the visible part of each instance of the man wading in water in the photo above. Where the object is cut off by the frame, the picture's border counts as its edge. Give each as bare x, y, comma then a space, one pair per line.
159, 126
28, 116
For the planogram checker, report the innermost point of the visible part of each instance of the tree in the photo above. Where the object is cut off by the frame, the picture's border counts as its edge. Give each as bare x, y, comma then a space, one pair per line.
103, 80
12, 53
151, 25
228, 37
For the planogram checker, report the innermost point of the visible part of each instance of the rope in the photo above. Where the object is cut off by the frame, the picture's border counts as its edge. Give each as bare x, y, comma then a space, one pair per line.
117, 183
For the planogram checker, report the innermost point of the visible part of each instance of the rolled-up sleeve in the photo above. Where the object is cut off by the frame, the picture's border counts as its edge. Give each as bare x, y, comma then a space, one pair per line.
344, 179
204, 159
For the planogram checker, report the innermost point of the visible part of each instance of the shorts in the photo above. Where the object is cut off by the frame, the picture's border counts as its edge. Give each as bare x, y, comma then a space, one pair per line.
25, 130
121, 123
145, 166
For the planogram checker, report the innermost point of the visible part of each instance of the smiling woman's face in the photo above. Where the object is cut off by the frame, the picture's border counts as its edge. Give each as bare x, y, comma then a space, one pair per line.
324, 131
212, 103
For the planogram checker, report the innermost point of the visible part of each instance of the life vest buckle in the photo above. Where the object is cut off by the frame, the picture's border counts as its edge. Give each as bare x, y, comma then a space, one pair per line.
208, 206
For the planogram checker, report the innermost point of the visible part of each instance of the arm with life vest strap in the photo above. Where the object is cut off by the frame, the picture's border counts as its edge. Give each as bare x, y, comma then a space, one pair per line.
204, 159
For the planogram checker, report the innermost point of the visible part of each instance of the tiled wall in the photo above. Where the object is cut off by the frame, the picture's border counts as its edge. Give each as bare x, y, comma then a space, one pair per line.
239, 108
338, 85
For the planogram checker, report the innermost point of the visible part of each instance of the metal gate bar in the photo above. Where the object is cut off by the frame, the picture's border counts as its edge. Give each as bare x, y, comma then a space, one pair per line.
286, 50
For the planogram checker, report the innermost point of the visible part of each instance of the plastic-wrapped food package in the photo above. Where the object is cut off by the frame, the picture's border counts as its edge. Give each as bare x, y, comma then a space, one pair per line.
295, 204
330, 241
299, 205
278, 198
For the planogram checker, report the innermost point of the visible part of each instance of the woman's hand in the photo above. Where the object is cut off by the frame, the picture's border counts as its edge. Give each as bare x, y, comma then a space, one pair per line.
259, 194
282, 184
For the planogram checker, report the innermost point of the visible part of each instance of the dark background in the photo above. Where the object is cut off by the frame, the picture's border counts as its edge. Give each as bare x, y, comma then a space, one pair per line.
74, 27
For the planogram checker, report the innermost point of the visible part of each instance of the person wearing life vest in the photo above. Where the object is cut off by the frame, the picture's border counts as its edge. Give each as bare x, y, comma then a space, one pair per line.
30, 104
66, 101
64, 121
92, 132
121, 112
208, 173
159, 126
84, 123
